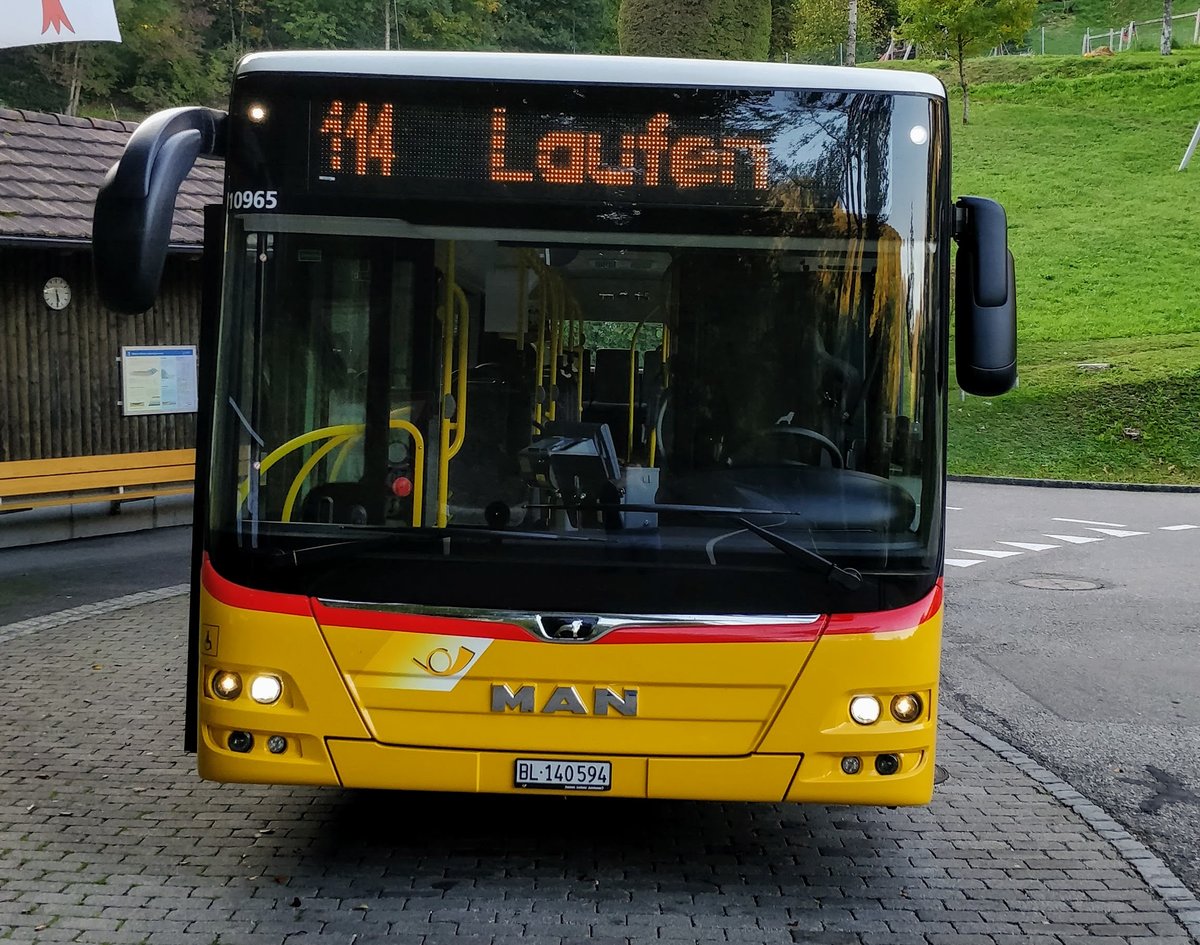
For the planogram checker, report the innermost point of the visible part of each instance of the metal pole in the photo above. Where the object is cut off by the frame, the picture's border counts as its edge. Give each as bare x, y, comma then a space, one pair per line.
1191, 149
1044, 38
1087, 36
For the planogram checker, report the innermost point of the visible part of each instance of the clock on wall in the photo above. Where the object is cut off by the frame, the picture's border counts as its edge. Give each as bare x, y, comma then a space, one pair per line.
57, 293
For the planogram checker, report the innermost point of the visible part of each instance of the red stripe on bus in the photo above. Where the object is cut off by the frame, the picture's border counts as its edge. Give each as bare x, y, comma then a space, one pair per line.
745, 633
414, 623
248, 598
890, 621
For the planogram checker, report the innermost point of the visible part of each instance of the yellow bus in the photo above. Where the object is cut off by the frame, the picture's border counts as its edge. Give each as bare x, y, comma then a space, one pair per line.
571, 424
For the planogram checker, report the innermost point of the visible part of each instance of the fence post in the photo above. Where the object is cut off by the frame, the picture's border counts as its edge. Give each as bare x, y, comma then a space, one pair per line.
1196, 31
1044, 32
1087, 41
1191, 149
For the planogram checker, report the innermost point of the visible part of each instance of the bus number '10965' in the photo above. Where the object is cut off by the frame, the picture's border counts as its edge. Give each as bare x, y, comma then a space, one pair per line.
254, 200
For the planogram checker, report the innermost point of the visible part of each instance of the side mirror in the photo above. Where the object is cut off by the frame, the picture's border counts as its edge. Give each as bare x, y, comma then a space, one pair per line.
985, 325
131, 225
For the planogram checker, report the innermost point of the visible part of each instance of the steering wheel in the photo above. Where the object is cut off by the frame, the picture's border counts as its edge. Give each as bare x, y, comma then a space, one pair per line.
826, 444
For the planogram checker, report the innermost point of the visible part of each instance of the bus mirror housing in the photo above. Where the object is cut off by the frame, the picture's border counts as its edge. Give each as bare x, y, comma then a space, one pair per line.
985, 327
131, 225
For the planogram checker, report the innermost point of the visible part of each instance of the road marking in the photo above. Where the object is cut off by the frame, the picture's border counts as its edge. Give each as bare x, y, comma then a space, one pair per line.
1075, 539
988, 554
962, 562
953, 508
1176, 528
1116, 532
1029, 545
1084, 521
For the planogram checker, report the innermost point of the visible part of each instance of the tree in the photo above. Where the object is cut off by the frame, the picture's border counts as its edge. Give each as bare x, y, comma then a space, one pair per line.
957, 29
852, 34
704, 29
822, 25
784, 19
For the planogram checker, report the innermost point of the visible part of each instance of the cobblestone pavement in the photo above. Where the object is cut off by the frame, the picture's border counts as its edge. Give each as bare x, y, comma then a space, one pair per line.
107, 835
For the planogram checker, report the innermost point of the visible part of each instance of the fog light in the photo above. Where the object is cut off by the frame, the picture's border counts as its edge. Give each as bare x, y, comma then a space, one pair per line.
865, 710
226, 685
906, 708
266, 689
276, 744
851, 764
887, 764
241, 742
256, 113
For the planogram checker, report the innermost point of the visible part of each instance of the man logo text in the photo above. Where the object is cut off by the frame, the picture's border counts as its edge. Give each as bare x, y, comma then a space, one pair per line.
565, 699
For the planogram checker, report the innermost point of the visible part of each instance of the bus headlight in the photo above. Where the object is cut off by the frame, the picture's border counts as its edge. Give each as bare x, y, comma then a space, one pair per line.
907, 707
226, 685
266, 690
865, 710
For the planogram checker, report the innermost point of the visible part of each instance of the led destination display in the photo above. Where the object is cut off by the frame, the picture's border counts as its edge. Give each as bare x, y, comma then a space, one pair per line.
415, 149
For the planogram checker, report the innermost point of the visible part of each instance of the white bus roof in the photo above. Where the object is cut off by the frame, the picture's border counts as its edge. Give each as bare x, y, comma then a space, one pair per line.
594, 70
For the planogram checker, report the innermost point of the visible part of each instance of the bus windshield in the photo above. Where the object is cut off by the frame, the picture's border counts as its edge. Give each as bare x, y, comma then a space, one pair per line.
458, 407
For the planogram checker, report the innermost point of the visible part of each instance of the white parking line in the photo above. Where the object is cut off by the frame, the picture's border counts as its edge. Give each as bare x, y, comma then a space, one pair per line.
1084, 521
1029, 545
962, 562
1116, 532
988, 554
1176, 528
1076, 539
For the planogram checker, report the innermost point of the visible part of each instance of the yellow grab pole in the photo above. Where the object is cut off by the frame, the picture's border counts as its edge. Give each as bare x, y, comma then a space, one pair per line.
460, 404
447, 315
556, 327
540, 368
632, 387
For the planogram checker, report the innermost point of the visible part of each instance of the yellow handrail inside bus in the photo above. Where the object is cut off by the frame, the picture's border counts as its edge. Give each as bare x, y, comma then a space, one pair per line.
666, 382
632, 386
309, 464
459, 428
446, 313
339, 435
540, 364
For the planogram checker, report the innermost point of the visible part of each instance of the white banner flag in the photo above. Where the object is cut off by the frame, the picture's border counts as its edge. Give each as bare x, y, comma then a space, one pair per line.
30, 22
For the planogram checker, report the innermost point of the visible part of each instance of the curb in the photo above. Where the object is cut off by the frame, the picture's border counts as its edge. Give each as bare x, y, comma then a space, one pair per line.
24, 628
1156, 874
1072, 484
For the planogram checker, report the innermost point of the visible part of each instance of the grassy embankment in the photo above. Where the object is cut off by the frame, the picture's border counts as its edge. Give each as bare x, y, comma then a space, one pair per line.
1106, 237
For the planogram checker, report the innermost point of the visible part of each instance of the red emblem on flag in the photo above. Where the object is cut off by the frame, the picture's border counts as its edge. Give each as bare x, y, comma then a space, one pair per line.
54, 15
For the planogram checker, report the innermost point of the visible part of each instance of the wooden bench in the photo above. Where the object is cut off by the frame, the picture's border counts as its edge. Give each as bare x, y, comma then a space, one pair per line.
116, 478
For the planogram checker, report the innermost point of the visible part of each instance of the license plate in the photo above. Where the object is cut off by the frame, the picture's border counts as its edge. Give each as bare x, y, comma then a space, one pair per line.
563, 775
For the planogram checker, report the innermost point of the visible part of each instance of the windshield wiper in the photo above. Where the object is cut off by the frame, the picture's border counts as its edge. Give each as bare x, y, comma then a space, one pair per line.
408, 536
849, 578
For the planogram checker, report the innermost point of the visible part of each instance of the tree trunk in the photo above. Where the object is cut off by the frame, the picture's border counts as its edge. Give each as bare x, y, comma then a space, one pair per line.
852, 36
387, 24
962, 78
75, 86
1165, 46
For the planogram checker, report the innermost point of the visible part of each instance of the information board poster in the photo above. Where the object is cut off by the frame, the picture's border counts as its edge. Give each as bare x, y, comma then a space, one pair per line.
158, 380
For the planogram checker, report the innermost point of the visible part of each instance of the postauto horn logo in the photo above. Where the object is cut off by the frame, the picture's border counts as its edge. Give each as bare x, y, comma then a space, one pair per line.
440, 663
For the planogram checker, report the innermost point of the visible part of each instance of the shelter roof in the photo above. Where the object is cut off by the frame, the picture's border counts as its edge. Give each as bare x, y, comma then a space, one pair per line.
52, 165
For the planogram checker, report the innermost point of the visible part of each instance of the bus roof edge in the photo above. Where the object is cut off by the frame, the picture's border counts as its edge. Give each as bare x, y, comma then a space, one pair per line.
597, 70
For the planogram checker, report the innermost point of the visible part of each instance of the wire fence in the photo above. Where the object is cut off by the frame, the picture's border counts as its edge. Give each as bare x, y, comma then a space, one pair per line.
1049, 40
1117, 37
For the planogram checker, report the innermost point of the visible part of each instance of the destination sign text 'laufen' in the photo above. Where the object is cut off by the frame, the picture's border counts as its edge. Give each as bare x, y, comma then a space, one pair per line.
534, 151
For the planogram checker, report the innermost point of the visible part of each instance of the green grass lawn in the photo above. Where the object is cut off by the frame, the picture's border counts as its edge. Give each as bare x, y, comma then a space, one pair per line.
1106, 237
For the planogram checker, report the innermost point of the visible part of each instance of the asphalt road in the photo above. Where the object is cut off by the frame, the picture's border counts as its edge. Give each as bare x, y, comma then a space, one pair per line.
44, 579
1100, 683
